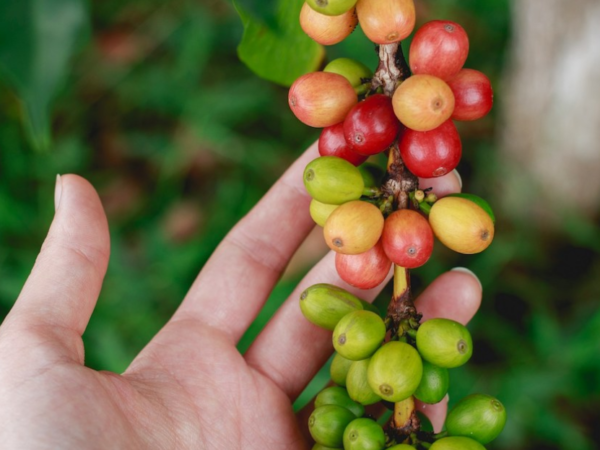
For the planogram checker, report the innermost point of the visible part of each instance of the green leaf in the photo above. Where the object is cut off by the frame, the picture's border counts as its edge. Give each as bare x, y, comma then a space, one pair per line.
278, 50
37, 40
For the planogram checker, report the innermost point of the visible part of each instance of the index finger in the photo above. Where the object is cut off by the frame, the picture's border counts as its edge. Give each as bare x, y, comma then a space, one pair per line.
245, 267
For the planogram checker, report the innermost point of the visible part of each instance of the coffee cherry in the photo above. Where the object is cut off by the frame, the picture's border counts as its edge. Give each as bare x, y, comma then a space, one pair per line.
407, 238
358, 385
320, 212
400, 447
387, 21
364, 434
456, 443
333, 143
461, 225
423, 102
480, 417
371, 126
331, 7
473, 95
333, 180
321, 99
358, 334
434, 384
327, 424
324, 304
327, 30
339, 369
425, 422
395, 371
431, 154
354, 71
366, 270
444, 342
439, 48
353, 228
335, 395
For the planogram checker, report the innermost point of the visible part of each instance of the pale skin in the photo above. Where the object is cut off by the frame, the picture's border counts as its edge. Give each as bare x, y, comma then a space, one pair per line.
189, 388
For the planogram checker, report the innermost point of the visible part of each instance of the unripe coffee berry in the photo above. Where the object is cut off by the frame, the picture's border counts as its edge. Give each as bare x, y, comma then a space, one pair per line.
444, 342
358, 334
480, 417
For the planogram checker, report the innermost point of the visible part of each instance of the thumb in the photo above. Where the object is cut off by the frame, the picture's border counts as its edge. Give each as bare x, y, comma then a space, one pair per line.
65, 282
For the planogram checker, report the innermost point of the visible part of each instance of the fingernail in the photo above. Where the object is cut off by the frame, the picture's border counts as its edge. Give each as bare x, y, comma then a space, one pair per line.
470, 272
57, 191
458, 176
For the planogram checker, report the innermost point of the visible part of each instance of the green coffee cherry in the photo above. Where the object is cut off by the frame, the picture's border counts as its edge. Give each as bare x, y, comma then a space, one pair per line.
395, 371
372, 174
456, 443
325, 304
323, 447
444, 342
339, 369
350, 69
320, 212
434, 384
357, 384
327, 424
425, 422
480, 417
401, 447
479, 202
336, 395
364, 434
333, 180
331, 7
358, 334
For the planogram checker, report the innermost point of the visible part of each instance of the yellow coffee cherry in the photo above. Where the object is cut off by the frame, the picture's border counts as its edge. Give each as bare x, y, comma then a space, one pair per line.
353, 227
461, 225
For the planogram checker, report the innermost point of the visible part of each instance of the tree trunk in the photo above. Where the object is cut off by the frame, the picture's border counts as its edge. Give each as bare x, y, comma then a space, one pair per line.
551, 106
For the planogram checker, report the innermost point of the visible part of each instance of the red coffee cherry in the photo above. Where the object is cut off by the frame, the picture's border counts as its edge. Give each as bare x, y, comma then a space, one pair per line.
407, 238
371, 126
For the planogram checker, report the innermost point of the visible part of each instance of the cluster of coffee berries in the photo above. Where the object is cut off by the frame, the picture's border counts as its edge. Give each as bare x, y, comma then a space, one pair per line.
419, 120
368, 370
357, 203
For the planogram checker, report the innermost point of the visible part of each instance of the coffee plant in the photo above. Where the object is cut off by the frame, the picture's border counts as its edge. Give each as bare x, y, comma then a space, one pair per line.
376, 219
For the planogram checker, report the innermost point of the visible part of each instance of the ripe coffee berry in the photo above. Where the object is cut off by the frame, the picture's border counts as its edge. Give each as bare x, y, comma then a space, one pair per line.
327, 30
321, 99
430, 154
439, 48
371, 126
333, 143
365, 270
387, 21
423, 102
473, 95
407, 238
353, 228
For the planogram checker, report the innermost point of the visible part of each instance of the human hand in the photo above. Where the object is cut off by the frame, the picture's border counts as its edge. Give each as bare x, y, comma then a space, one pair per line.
190, 387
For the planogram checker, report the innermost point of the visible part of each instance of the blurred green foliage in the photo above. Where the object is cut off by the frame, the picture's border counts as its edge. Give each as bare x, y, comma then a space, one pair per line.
274, 45
181, 140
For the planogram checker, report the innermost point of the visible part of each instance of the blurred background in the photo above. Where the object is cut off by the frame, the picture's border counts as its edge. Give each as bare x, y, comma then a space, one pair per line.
148, 100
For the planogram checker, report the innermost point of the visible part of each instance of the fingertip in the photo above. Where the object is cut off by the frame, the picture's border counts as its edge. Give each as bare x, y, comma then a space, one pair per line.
451, 183
80, 206
468, 272
453, 295
57, 191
